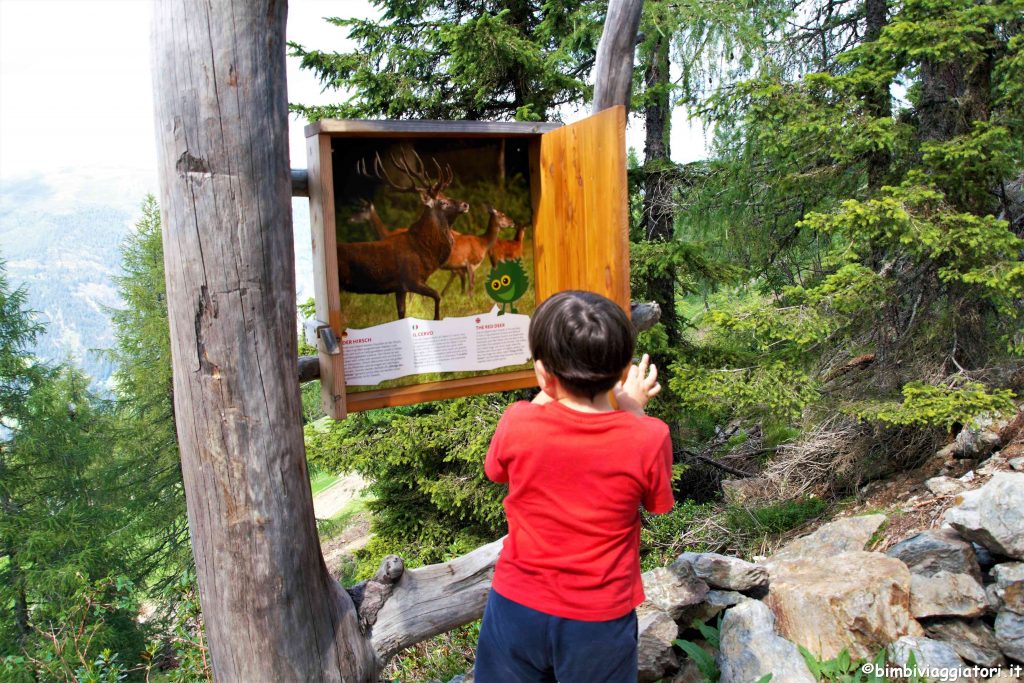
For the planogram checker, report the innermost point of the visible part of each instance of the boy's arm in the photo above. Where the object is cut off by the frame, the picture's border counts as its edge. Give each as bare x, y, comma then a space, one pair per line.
494, 465
659, 498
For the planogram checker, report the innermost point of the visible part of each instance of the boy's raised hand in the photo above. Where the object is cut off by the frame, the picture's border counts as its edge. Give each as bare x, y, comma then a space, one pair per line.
639, 387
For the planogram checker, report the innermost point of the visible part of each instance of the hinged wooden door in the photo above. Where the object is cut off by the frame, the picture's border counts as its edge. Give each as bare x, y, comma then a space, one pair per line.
581, 215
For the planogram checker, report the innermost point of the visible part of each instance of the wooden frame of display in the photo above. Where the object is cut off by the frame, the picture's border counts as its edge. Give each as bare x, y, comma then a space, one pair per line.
580, 231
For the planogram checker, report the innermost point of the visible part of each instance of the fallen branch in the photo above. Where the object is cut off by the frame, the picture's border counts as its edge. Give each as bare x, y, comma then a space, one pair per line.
434, 599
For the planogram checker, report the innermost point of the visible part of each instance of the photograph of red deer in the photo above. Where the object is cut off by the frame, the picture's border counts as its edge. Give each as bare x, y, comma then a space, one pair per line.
435, 257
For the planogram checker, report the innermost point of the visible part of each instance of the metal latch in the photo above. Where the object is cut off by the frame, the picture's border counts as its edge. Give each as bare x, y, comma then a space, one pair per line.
320, 335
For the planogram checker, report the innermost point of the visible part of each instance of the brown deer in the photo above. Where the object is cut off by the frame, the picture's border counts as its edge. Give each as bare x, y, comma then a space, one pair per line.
468, 251
508, 250
403, 261
367, 213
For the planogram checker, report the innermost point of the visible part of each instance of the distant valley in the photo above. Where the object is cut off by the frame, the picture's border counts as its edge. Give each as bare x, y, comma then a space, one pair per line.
60, 236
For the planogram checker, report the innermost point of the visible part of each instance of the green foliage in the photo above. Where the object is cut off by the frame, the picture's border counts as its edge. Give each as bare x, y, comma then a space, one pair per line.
430, 498
437, 59
440, 658
844, 669
145, 459
81, 644
917, 220
183, 642
776, 518
774, 389
926, 405
664, 537
706, 663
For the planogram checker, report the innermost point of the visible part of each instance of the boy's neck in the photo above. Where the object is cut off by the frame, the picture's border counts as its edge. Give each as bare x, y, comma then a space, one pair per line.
599, 404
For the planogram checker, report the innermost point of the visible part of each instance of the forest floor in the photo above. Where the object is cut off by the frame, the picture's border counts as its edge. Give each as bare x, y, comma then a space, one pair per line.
343, 520
329, 502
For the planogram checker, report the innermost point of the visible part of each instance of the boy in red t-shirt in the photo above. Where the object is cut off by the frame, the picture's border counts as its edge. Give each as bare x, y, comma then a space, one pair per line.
578, 468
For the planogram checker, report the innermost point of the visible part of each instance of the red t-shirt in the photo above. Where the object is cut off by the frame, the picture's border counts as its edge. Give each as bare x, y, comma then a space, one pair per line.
576, 482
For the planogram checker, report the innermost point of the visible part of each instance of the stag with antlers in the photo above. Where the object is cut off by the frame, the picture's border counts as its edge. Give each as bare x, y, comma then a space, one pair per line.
403, 261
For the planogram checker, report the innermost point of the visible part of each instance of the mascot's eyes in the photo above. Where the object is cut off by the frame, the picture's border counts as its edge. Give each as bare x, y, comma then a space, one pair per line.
496, 285
506, 280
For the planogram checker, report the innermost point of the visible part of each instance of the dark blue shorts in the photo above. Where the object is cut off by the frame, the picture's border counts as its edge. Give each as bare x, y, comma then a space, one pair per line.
521, 645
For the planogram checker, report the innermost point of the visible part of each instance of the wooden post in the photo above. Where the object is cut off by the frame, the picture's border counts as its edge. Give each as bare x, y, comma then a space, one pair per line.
613, 68
272, 611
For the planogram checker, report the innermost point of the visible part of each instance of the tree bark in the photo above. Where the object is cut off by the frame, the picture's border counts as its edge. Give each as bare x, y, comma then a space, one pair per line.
879, 103
659, 214
272, 611
613, 69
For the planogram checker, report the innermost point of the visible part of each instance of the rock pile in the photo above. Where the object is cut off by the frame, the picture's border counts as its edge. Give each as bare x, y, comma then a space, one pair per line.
928, 595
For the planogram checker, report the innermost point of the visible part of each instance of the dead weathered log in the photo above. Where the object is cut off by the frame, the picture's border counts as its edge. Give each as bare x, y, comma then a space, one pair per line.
613, 70
434, 599
309, 368
370, 595
644, 317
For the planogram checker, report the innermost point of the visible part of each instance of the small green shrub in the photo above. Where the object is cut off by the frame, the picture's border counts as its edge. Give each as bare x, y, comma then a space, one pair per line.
664, 537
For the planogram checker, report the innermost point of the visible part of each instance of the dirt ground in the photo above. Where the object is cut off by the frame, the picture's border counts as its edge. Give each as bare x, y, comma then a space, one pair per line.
330, 501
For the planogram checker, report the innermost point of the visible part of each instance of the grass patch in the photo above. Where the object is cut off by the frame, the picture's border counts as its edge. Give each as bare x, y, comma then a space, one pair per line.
689, 526
776, 518
333, 526
321, 481
442, 657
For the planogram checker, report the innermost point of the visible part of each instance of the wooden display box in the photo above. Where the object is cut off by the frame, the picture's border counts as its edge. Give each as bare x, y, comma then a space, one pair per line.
579, 197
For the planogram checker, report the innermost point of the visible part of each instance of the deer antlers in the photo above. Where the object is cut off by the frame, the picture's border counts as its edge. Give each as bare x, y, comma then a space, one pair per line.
416, 172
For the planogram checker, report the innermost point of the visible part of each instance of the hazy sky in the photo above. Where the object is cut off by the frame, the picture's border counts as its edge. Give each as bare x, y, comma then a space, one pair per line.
75, 85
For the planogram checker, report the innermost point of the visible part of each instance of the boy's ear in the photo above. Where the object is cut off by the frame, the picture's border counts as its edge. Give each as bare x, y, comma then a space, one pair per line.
548, 382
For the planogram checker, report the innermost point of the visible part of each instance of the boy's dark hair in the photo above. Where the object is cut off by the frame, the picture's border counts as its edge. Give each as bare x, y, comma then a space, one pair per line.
583, 339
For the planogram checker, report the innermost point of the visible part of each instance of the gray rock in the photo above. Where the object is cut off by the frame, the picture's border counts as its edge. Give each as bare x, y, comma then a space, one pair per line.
1005, 676
945, 594
838, 536
993, 515
655, 655
714, 603
976, 442
945, 486
723, 571
1010, 634
1009, 585
671, 589
984, 557
750, 648
928, 654
1017, 464
974, 640
937, 550
995, 603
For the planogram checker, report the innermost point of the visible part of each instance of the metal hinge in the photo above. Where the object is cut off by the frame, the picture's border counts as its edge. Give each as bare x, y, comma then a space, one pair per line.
320, 335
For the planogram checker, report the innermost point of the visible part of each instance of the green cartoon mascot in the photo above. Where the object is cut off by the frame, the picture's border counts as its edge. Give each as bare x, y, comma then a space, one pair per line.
506, 283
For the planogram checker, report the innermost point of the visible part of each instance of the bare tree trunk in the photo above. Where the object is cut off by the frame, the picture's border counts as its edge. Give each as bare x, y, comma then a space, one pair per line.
659, 214
613, 70
879, 103
272, 611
